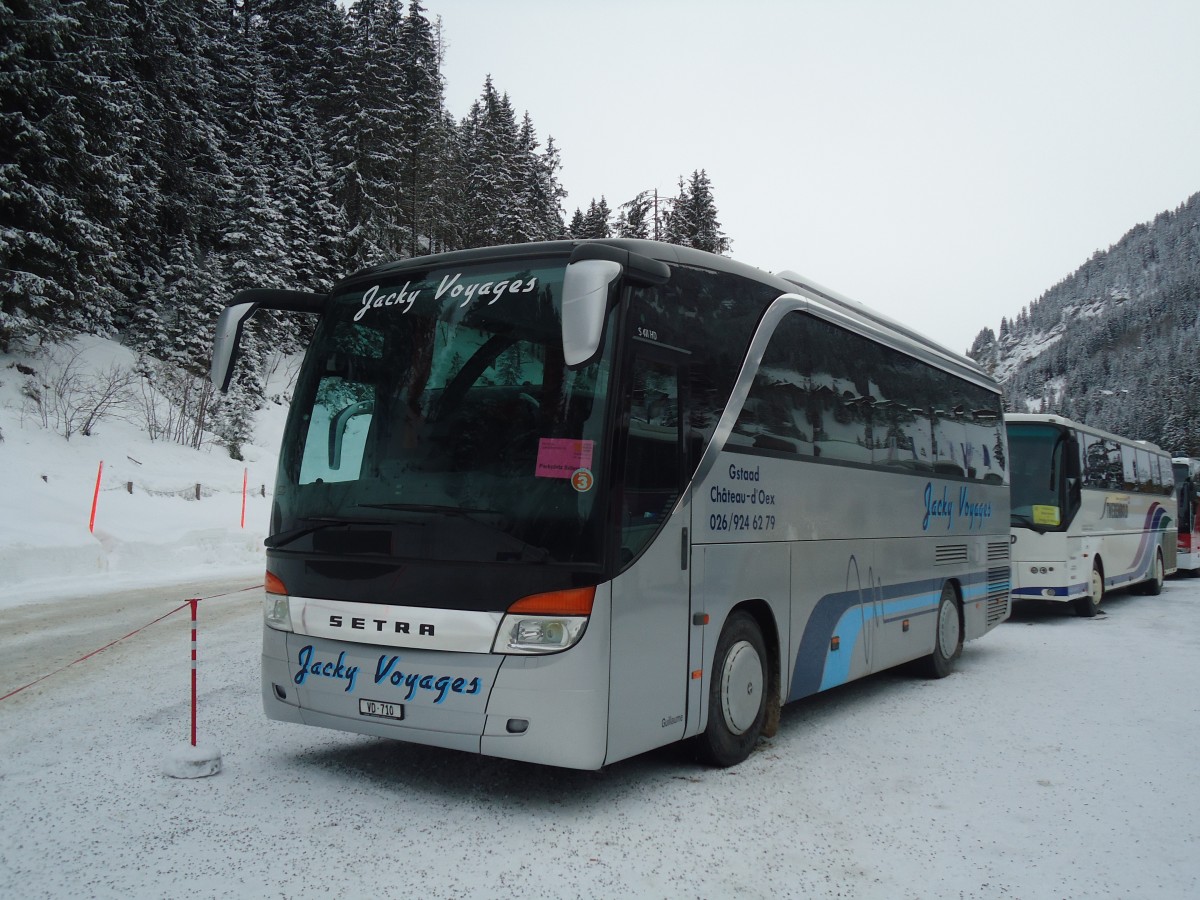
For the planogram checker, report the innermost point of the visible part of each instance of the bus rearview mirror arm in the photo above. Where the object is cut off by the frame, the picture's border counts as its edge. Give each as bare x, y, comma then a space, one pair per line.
237, 313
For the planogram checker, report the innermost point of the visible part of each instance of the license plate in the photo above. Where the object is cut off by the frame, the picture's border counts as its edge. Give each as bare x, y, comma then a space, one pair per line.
379, 710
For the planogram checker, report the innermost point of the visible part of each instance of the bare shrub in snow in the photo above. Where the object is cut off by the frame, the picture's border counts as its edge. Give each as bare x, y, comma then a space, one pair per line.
70, 398
173, 405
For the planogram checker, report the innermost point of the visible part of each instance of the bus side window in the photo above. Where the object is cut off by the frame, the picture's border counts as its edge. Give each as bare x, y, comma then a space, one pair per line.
652, 455
1129, 476
775, 415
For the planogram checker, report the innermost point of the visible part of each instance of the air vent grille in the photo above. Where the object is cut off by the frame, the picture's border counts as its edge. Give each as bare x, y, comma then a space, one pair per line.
997, 595
946, 554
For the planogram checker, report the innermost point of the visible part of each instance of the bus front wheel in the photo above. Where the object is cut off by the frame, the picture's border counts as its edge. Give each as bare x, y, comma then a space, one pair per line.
948, 641
737, 694
1087, 607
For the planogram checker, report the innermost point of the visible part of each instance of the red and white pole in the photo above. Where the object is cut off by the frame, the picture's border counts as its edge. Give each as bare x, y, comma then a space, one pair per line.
245, 481
194, 602
194, 760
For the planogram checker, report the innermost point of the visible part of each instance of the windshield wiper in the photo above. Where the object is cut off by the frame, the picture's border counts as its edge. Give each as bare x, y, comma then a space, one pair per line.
275, 541
1026, 522
462, 511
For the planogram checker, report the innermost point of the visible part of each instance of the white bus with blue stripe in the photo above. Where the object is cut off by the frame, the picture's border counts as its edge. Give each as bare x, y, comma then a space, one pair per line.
1091, 512
567, 502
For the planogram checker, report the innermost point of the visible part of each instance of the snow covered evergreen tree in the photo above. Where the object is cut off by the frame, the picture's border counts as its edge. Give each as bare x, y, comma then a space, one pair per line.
594, 223
420, 80
635, 217
370, 142
541, 193
490, 212
692, 219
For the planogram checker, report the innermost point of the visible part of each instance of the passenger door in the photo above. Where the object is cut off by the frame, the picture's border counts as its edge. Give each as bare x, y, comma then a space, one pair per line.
650, 597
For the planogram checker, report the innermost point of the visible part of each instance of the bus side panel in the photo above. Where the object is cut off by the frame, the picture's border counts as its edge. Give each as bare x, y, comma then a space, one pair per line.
726, 575
907, 596
832, 630
563, 697
1129, 550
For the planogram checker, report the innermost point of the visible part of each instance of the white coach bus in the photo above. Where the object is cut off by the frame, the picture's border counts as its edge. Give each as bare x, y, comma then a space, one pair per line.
1091, 511
567, 502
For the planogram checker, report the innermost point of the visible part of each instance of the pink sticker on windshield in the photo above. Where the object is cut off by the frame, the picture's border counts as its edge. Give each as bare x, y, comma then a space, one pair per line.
562, 457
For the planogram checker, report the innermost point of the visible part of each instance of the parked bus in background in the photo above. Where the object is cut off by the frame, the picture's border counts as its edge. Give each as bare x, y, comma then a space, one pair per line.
1187, 498
567, 502
1091, 511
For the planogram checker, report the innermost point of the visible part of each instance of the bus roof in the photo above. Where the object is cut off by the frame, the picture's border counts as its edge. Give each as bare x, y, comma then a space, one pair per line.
1052, 419
787, 282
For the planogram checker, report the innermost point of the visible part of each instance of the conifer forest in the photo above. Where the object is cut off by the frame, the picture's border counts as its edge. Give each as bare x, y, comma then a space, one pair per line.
160, 155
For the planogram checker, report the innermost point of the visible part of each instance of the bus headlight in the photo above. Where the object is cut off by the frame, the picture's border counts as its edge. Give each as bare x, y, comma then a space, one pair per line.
277, 610
538, 634
545, 623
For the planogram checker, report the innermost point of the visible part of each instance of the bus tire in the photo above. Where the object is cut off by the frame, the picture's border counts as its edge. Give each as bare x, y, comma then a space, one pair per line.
737, 694
1154, 586
948, 635
1087, 607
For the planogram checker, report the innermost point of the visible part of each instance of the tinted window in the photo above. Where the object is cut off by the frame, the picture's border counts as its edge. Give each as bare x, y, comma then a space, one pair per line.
1103, 463
713, 316
834, 395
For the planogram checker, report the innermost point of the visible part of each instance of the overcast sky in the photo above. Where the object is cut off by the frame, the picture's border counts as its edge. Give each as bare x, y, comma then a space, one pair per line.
944, 161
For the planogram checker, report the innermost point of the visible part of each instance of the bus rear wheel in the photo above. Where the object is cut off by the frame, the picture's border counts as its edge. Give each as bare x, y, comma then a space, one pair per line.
737, 694
1087, 607
948, 641
1158, 575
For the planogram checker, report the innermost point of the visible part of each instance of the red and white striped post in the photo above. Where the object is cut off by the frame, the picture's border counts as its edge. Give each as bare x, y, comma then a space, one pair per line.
195, 602
193, 760
245, 481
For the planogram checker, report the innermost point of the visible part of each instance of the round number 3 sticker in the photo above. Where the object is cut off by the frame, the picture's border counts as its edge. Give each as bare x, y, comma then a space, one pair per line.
582, 480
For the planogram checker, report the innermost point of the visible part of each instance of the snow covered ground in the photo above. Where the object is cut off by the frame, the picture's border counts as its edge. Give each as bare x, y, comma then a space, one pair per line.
158, 532
1058, 761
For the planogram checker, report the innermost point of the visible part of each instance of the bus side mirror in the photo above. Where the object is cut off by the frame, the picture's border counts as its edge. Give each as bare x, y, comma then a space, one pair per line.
586, 288
237, 313
585, 292
225, 342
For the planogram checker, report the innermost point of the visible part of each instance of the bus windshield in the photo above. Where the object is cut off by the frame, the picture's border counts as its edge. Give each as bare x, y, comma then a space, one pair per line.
1038, 475
435, 419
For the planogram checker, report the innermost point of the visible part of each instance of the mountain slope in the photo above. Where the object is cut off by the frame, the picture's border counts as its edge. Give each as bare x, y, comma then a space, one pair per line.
1117, 343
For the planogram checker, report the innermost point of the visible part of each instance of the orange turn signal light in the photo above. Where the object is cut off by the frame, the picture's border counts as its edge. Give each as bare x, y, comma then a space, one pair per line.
572, 602
274, 584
